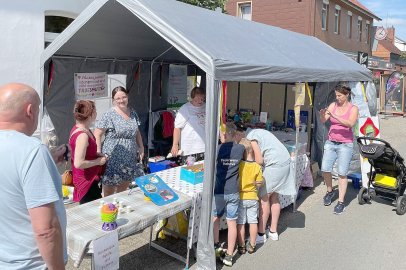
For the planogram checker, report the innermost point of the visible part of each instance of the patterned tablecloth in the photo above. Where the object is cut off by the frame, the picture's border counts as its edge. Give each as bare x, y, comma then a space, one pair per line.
85, 225
172, 179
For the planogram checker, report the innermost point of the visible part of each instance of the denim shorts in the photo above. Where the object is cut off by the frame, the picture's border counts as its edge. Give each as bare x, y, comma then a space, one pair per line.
342, 152
248, 212
227, 203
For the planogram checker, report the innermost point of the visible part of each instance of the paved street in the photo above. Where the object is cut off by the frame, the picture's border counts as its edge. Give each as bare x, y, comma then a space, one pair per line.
364, 237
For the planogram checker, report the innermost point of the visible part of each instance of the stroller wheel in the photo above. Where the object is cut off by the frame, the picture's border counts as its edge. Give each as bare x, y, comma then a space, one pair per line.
401, 205
363, 196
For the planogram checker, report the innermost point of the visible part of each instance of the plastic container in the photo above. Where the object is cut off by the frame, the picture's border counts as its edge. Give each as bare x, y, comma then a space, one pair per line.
356, 180
159, 166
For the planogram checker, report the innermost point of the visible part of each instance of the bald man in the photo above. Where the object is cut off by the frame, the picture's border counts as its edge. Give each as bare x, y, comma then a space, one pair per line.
33, 221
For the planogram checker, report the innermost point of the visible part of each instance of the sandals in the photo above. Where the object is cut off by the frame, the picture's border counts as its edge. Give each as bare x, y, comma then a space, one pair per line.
250, 248
241, 249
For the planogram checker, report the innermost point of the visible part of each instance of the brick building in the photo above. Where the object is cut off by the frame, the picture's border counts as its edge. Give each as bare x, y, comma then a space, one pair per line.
387, 49
346, 25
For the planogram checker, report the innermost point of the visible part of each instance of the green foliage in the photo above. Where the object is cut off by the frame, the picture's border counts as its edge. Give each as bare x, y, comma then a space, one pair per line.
403, 56
209, 4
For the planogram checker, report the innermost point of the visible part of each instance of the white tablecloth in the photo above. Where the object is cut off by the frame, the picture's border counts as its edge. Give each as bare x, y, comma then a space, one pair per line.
172, 178
85, 225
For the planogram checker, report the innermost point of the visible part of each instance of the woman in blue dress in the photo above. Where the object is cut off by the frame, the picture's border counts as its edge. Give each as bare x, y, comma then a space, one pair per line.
122, 144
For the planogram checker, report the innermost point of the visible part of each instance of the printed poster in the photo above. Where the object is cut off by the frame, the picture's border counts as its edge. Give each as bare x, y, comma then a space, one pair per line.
90, 85
367, 127
177, 86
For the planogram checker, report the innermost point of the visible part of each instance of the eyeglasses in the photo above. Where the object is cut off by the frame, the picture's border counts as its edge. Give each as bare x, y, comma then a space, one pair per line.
120, 99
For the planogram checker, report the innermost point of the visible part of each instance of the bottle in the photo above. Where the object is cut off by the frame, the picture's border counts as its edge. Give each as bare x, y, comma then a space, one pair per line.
190, 160
51, 139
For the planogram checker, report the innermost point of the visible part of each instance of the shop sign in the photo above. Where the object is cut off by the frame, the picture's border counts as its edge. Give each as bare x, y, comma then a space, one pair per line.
362, 59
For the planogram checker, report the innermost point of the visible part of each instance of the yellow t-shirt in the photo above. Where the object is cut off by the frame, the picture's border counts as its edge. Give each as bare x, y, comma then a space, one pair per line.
250, 171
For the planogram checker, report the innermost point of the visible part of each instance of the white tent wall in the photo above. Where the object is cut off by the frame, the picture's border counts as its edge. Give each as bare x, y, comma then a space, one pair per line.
224, 47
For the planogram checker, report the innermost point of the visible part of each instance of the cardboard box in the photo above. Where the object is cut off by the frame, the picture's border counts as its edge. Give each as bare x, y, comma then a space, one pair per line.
189, 174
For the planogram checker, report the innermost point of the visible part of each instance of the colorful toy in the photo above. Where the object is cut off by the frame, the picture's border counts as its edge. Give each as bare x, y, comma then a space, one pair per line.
109, 216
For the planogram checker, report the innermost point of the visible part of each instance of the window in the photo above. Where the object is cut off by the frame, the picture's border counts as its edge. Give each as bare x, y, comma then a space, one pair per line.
349, 25
244, 11
324, 16
367, 32
359, 29
54, 25
337, 13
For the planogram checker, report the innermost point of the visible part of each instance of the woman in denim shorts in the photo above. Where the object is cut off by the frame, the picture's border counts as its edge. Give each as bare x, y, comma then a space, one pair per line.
339, 146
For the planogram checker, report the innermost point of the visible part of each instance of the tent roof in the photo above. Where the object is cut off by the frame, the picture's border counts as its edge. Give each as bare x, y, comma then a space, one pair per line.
225, 47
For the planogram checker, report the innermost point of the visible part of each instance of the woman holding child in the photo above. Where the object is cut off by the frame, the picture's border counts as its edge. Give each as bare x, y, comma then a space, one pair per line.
275, 159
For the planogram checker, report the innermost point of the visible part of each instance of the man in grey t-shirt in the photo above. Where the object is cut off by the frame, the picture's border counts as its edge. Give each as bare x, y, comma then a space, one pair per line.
34, 220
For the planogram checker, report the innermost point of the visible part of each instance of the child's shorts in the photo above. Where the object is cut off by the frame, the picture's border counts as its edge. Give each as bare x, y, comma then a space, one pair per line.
248, 212
227, 203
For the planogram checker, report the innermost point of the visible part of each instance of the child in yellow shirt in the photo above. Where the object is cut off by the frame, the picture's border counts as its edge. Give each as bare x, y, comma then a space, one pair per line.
250, 179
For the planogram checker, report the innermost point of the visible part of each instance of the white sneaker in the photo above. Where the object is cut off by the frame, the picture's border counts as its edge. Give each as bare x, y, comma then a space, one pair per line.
260, 239
273, 236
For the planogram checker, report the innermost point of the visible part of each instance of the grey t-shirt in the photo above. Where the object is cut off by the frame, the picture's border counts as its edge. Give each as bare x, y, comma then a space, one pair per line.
29, 179
273, 151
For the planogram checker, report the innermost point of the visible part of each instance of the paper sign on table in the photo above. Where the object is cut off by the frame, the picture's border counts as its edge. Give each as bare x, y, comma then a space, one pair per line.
106, 253
156, 189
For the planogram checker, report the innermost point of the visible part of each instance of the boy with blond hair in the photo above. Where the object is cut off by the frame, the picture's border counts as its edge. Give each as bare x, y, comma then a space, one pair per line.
250, 179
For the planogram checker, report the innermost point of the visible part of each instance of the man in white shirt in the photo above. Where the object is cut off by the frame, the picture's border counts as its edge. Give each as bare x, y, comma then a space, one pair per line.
190, 125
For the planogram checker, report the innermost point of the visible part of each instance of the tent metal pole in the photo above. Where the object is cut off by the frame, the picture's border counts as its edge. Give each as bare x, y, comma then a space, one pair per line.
205, 253
150, 94
260, 97
238, 96
284, 103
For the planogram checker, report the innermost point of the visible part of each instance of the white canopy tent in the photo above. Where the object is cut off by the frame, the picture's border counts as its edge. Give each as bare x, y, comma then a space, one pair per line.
224, 47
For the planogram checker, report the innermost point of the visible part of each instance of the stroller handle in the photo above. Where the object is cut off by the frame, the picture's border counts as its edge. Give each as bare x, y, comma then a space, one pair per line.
362, 140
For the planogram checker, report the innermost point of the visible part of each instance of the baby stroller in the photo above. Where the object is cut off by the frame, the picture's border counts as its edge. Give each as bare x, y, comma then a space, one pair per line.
389, 176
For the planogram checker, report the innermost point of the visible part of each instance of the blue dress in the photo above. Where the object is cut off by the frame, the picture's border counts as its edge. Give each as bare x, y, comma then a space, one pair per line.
121, 147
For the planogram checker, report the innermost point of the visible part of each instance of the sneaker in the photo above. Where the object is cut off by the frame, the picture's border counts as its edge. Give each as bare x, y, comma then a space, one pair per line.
218, 249
273, 236
260, 239
241, 249
227, 259
328, 198
339, 208
250, 248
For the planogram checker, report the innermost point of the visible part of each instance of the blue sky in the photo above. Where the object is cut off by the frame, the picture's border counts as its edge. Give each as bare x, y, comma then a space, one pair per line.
392, 13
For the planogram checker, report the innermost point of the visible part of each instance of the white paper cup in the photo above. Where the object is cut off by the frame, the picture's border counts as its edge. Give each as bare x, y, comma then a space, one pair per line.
128, 209
120, 204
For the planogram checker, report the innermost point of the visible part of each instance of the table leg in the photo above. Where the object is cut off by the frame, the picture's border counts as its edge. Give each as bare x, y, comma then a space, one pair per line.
150, 235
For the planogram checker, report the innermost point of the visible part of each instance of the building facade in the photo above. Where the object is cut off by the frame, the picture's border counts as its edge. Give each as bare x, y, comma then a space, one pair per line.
388, 49
27, 27
343, 24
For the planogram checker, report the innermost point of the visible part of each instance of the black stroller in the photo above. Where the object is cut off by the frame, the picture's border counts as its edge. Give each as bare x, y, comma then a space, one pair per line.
389, 176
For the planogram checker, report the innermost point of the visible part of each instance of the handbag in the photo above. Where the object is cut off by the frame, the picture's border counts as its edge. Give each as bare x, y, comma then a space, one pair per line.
67, 176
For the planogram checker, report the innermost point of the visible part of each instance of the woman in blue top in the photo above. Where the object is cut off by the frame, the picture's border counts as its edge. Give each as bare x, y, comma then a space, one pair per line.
122, 144
275, 159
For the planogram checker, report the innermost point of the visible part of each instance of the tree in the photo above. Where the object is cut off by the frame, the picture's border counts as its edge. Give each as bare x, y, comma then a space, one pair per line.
403, 56
209, 4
